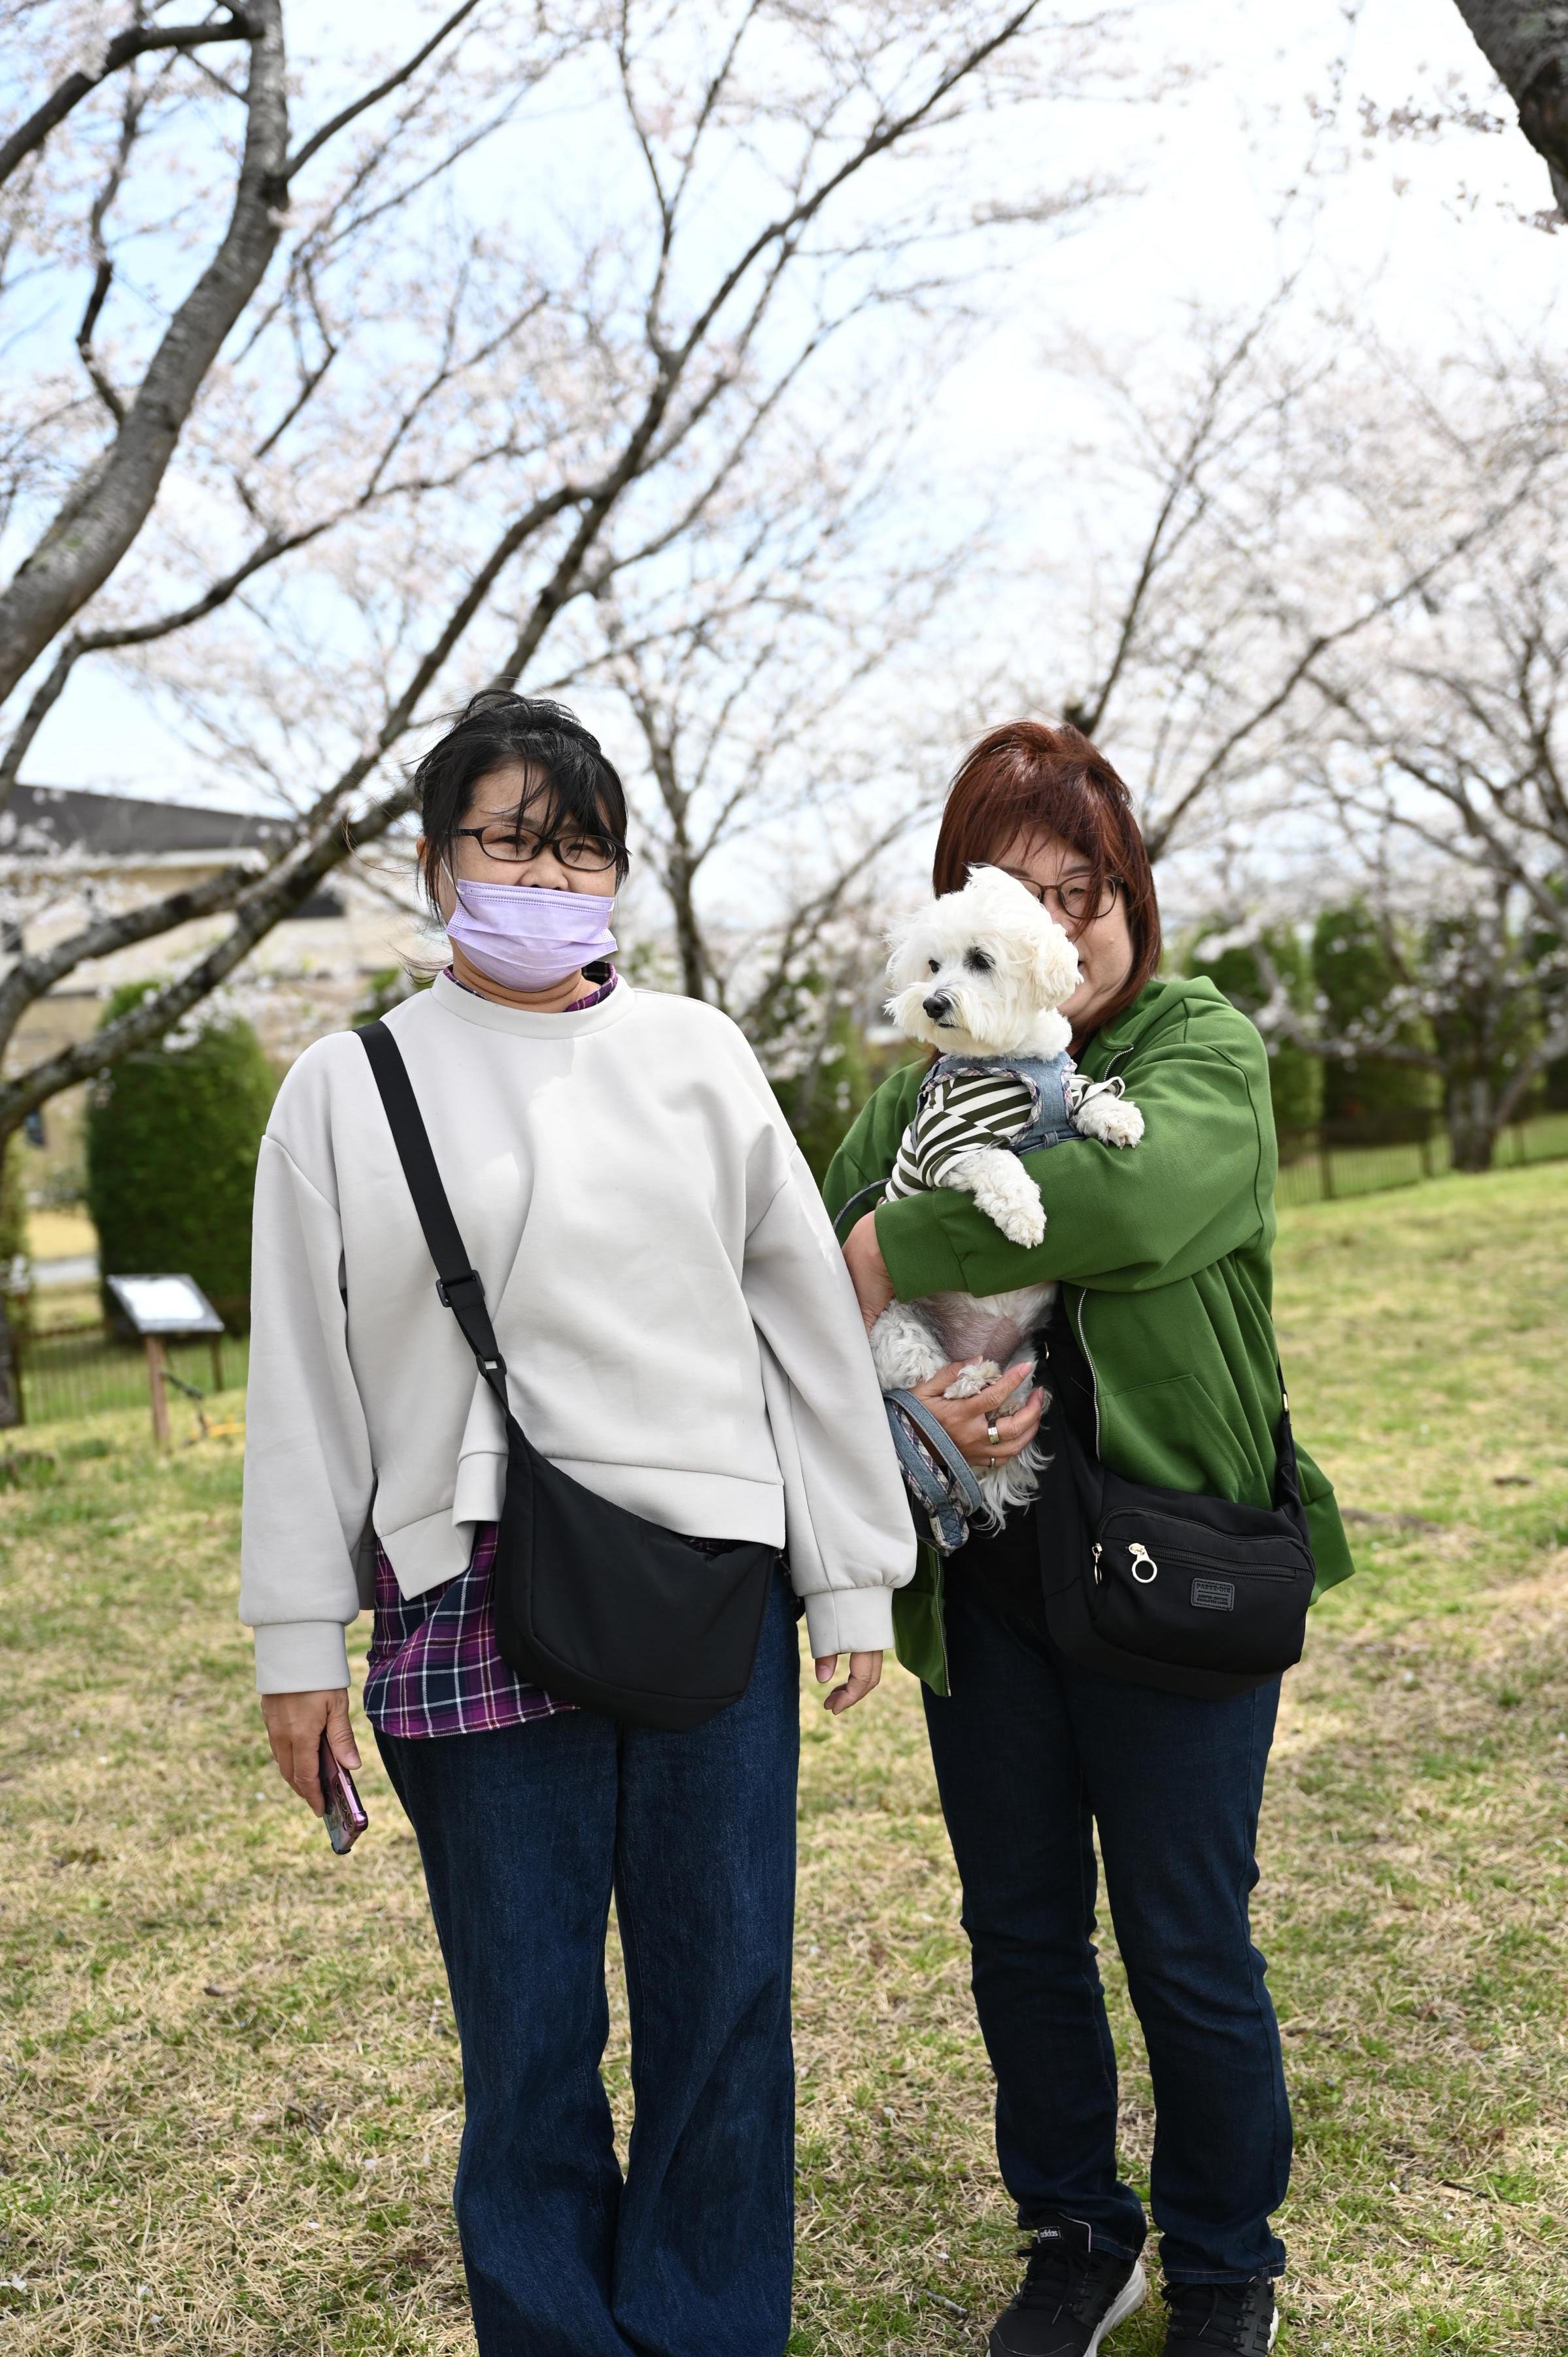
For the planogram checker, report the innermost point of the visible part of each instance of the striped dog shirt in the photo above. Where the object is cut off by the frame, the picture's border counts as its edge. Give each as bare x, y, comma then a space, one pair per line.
958, 1112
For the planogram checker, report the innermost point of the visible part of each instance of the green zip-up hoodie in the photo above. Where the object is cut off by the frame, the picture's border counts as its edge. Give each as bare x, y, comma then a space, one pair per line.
1163, 1252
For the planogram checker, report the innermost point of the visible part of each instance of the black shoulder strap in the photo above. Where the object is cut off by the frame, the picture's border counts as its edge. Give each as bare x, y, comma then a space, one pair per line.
457, 1282
1287, 1478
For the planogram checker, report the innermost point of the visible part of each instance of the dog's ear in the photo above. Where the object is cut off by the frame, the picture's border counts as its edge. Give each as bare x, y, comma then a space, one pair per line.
1056, 963
1052, 960
903, 949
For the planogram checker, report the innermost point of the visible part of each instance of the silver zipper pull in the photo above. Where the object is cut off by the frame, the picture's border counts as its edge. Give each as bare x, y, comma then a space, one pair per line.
1141, 1555
1098, 1551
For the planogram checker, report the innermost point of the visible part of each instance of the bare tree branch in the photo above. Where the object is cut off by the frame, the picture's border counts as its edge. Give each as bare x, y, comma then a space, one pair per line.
361, 105
136, 41
103, 516
103, 269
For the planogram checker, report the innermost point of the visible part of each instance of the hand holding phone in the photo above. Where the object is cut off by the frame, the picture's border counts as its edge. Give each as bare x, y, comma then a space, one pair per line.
345, 1819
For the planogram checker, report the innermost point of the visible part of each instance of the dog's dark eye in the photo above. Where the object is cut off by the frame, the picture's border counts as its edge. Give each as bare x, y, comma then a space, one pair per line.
977, 961
933, 965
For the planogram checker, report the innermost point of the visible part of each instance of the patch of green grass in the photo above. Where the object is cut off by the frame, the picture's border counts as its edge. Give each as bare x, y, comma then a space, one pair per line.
232, 2095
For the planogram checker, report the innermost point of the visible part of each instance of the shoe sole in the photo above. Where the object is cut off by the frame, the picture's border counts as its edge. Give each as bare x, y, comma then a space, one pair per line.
1273, 2329
1127, 2302
1133, 2295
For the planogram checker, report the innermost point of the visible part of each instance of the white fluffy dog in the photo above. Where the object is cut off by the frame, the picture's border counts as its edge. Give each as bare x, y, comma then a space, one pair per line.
981, 974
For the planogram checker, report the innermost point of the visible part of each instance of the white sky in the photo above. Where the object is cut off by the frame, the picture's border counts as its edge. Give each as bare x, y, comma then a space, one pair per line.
1425, 233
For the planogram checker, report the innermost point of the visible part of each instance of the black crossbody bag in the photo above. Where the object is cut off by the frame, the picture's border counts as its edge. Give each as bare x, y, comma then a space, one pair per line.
1163, 1587
601, 1607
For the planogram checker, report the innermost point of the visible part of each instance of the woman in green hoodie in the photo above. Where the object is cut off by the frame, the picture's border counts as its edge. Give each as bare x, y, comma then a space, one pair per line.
1161, 1347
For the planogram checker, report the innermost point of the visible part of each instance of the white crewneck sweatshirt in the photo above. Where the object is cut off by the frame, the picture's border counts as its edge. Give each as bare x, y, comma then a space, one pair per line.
679, 1330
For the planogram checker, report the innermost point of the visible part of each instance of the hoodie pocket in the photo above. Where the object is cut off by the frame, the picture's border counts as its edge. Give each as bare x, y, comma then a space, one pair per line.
1171, 1432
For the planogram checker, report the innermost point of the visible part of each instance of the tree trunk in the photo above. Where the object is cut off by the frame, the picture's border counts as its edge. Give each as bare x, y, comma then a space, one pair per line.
10, 1403
102, 515
1473, 1124
1525, 42
689, 944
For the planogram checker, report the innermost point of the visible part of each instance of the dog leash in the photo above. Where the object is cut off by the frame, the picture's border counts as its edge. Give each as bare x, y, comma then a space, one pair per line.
946, 1490
950, 1516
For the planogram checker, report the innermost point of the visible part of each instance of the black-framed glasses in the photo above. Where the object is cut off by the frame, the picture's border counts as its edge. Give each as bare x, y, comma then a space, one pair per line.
1076, 899
515, 846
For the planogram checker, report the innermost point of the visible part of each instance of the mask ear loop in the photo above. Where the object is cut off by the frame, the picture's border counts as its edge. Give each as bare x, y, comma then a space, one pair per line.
452, 878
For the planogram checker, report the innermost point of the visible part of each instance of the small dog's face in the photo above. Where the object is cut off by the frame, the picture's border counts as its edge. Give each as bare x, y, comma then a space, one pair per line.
980, 972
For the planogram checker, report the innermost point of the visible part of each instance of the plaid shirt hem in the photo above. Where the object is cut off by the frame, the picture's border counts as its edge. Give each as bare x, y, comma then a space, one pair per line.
435, 1667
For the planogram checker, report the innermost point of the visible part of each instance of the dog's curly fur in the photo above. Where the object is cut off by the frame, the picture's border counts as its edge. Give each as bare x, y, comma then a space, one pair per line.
983, 973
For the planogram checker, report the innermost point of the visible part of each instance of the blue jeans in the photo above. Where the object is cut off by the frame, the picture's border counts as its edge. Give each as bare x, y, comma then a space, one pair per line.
1031, 1754
524, 1834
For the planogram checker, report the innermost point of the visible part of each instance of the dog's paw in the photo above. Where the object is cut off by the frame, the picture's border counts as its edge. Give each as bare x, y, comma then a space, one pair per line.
904, 1350
974, 1378
1126, 1127
1016, 1210
1111, 1119
1012, 1199
1022, 1223
1004, 1190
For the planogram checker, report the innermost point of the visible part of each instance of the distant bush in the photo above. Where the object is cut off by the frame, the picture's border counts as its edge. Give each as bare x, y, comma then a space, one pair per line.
1357, 981
172, 1138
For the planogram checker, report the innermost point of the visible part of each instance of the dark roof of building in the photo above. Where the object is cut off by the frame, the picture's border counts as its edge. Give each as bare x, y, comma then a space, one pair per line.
43, 821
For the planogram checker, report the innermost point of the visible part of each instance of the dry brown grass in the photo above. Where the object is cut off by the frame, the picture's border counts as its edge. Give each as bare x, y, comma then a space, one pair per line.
232, 2095
60, 1235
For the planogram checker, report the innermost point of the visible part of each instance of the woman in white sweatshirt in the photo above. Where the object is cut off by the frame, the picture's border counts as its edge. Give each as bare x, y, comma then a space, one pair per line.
682, 1339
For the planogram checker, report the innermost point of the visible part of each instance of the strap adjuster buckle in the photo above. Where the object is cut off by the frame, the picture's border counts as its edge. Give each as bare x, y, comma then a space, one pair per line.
469, 1276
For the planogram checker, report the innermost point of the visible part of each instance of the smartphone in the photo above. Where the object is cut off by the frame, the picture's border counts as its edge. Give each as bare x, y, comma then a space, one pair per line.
346, 1819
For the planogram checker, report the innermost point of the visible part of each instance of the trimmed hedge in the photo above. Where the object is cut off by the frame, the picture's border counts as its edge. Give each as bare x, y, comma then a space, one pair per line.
172, 1139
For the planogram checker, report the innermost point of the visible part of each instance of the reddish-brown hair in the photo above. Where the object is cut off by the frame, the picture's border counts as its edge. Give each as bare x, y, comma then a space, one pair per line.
1028, 778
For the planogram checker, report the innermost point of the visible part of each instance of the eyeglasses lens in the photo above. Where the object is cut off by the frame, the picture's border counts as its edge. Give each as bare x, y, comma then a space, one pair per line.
1072, 896
587, 854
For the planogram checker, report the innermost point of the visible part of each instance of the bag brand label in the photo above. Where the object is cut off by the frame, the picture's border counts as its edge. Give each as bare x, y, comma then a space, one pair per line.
1214, 1595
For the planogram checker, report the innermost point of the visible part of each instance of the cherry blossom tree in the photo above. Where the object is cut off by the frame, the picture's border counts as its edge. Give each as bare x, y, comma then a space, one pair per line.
438, 443
1264, 522
308, 434
1335, 665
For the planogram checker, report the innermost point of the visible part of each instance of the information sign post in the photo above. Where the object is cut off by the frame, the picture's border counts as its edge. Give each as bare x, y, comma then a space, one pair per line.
157, 1306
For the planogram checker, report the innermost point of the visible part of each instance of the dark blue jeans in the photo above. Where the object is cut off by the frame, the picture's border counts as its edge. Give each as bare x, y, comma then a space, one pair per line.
1030, 1755
524, 1835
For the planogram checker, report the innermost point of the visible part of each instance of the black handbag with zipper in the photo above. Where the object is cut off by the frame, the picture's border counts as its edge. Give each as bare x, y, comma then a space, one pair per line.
600, 1606
1162, 1588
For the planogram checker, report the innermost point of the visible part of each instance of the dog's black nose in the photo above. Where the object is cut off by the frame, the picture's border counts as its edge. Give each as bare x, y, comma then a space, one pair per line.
939, 1006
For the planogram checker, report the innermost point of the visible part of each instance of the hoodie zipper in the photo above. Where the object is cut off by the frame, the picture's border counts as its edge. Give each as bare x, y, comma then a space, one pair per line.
1089, 1363
1109, 1073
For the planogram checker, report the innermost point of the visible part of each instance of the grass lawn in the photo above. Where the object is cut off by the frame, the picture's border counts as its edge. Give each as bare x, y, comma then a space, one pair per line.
231, 2097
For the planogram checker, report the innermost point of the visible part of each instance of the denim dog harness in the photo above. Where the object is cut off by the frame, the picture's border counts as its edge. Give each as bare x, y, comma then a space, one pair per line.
1046, 1079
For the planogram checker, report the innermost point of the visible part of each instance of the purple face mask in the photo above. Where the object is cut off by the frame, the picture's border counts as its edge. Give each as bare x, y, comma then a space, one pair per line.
526, 936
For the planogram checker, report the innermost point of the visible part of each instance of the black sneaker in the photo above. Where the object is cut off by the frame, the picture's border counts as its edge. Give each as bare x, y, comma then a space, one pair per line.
1071, 2296
1232, 2320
